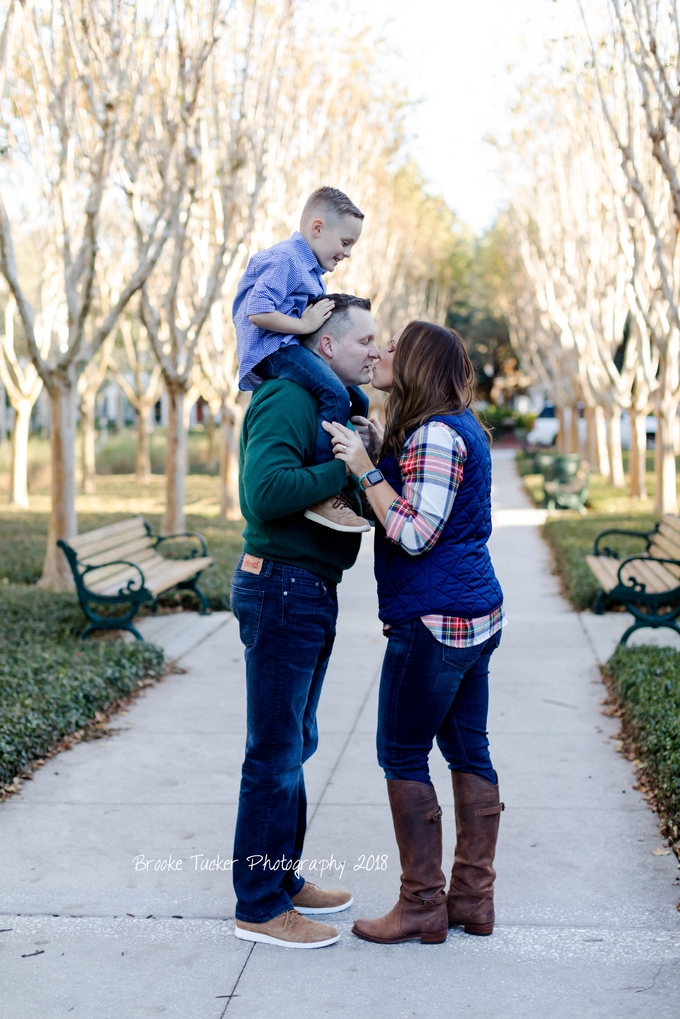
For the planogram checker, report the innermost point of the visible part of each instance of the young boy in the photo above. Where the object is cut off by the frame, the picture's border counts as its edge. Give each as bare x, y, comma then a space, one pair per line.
272, 308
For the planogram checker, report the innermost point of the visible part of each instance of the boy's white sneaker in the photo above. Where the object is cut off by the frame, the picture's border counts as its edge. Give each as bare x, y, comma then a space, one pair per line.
337, 514
288, 930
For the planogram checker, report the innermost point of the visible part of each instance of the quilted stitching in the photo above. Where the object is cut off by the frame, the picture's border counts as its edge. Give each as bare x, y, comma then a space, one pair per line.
455, 578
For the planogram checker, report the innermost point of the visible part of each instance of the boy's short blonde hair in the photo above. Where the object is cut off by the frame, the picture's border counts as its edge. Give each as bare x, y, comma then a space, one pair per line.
332, 201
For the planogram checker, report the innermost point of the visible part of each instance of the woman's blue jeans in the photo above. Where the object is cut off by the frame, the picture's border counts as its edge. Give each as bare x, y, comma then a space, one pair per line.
431, 691
287, 622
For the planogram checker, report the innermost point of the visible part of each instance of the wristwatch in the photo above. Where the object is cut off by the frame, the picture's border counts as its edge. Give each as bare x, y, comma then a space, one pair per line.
371, 478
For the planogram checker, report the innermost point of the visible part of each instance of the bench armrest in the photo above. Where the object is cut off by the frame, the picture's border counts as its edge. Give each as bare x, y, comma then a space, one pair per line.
119, 562
647, 535
645, 559
186, 534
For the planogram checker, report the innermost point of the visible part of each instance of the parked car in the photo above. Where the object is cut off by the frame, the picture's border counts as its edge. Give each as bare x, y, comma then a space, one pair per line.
546, 427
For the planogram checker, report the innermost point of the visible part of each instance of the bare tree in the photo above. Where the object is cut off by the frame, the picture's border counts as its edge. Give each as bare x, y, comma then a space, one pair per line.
141, 382
23, 386
216, 217
84, 114
643, 51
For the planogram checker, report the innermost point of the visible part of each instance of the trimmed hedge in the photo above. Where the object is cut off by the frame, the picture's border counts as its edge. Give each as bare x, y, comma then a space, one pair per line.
646, 681
52, 684
571, 540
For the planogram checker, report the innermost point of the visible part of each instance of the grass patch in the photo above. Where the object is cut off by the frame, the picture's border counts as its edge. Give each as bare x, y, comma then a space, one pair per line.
51, 684
571, 538
646, 682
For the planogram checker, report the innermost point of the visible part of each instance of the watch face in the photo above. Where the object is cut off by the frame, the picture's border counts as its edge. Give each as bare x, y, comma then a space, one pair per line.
374, 478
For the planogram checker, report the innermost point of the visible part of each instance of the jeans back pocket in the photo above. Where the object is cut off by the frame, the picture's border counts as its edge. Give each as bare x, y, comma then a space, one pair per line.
247, 606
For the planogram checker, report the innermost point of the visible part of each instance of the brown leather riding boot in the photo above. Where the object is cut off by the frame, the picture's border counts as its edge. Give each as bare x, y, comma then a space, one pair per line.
478, 811
420, 912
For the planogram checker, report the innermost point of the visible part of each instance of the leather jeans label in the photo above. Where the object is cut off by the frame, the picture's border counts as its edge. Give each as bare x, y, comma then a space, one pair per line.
251, 564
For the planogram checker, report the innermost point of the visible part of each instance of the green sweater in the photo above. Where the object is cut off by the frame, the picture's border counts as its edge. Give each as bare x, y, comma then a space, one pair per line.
277, 484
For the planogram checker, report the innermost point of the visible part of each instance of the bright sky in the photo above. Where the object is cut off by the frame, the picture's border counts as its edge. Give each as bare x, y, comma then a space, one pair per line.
455, 56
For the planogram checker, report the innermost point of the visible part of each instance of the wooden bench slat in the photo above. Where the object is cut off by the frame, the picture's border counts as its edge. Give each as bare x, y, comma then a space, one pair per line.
673, 522
664, 548
143, 560
101, 533
663, 571
162, 575
130, 550
653, 576
605, 570
190, 567
669, 535
112, 542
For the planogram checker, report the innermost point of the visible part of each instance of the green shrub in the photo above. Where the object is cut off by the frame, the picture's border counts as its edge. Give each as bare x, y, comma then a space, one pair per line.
646, 681
51, 684
572, 538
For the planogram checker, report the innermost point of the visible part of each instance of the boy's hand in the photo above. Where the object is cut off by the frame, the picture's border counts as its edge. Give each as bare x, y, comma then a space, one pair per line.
314, 315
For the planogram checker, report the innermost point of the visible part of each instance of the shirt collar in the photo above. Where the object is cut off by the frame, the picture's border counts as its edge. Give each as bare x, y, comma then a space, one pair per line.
305, 253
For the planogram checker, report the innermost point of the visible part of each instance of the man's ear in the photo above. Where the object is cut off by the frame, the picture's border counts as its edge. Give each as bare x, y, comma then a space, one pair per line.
326, 345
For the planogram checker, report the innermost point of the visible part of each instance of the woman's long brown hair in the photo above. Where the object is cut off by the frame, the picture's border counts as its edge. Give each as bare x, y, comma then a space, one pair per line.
433, 374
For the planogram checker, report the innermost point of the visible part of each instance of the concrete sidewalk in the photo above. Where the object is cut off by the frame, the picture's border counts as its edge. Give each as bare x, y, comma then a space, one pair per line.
587, 924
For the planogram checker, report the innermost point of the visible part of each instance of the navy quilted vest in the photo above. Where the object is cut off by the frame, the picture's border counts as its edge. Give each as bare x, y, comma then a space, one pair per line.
455, 578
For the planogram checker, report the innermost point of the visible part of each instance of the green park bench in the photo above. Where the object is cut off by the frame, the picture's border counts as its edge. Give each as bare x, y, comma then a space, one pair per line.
566, 478
120, 565
568, 487
646, 584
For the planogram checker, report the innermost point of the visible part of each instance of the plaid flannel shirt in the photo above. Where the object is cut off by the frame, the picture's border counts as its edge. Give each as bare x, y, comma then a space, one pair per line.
431, 466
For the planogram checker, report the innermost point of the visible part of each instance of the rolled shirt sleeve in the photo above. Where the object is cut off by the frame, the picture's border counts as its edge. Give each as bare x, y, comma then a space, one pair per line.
432, 468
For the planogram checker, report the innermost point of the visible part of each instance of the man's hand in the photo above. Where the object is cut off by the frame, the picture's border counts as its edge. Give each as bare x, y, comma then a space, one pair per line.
347, 446
314, 316
371, 432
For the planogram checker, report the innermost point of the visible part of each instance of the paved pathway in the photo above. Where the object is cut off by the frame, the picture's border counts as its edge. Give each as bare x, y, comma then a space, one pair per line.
587, 925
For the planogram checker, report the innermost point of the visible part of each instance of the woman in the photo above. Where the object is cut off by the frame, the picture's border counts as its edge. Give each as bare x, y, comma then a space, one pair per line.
441, 607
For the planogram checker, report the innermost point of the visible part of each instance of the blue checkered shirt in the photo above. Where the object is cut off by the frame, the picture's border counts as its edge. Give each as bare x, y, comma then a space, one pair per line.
281, 278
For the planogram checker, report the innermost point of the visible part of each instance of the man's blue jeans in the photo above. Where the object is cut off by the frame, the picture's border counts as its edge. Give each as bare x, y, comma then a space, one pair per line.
287, 622
336, 402
431, 691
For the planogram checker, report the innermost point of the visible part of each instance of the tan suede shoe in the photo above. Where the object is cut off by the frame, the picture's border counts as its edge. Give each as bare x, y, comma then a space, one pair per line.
289, 930
337, 514
319, 900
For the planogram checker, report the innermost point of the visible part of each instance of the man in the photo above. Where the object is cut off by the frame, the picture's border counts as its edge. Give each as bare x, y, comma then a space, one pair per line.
284, 597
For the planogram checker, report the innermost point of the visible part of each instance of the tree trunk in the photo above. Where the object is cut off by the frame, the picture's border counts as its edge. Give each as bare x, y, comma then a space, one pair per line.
212, 460
175, 461
56, 575
560, 438
88, 435
638, 455
591, 445
617, 477
3, 415
120, 411
601, 451
143, 465
230, 431
666, 500
573, 431
22, 421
